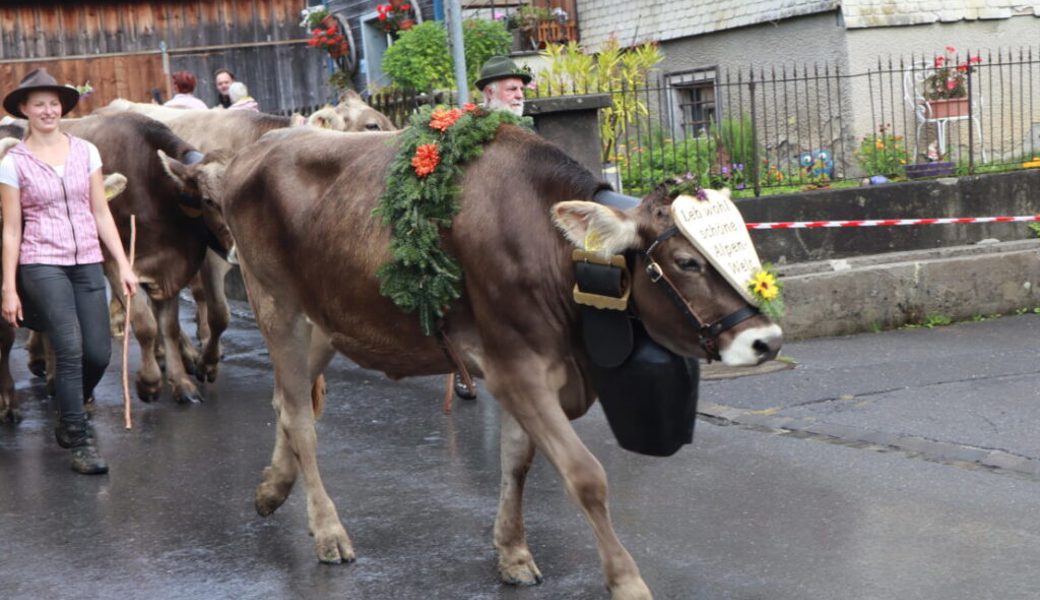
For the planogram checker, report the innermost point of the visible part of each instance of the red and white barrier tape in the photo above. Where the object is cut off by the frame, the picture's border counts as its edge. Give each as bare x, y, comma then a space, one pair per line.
889, 222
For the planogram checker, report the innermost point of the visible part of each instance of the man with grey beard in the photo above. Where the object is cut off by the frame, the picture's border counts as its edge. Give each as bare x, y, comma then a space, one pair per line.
502, 84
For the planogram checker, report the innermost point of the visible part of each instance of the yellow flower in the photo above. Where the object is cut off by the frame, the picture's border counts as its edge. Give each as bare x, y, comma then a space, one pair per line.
879, 145
763, 284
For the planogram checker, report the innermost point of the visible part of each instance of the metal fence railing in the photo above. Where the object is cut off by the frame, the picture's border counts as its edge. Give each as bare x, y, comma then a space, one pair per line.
809, 125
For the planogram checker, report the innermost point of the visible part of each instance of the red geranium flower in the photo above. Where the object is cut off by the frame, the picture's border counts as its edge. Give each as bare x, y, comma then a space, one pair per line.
470, 107
426, 159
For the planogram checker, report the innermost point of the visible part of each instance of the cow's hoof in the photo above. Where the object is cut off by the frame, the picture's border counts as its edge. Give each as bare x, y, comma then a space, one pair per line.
186, 397
270, 494
51, 387
207, 373
522, 574
334, 547
38, 367
633, 589
11, 416
189, 366
148, 392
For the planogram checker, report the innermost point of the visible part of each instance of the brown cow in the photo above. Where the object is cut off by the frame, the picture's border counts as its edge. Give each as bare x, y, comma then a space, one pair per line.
175, 227
229, 131
299, 204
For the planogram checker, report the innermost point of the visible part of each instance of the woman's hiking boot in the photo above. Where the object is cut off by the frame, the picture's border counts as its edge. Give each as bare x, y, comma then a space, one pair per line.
78, 435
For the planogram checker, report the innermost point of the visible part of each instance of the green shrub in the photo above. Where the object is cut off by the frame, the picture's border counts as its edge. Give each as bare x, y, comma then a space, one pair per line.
645, 166
882, 154
420, 58
483, 39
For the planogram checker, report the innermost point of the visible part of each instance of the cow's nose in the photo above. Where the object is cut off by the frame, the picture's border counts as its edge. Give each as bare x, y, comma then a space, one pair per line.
768, 347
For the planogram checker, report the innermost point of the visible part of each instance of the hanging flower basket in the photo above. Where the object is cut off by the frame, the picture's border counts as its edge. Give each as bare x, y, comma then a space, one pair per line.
947, 108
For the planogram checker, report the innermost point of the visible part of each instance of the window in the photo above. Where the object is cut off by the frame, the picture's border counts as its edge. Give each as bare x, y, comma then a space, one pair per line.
695, 99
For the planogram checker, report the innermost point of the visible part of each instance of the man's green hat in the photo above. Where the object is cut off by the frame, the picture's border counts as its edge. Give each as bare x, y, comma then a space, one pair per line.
500, 67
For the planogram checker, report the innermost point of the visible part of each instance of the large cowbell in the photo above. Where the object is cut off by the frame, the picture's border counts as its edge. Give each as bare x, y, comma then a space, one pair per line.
648, 393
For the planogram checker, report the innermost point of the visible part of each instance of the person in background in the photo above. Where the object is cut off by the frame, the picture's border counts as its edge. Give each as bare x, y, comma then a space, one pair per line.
502, 84
184, 85
223, 79
240, 98
55, 221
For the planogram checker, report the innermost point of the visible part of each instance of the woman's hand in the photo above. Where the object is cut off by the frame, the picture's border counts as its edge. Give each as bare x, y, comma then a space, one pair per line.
127, 277
12, 307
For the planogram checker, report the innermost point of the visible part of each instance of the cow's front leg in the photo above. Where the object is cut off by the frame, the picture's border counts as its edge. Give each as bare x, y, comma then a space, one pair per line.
515, 562
9, 410
527, 384
183, 388
146, 331
217, 314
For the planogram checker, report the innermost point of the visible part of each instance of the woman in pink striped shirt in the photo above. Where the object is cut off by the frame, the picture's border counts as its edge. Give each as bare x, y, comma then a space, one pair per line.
55, 218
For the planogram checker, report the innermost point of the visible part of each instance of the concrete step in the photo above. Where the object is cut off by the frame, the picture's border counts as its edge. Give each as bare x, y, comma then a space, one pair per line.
886, 291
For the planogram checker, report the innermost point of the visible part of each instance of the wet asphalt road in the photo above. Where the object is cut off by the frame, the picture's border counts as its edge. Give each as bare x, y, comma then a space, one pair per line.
897, 465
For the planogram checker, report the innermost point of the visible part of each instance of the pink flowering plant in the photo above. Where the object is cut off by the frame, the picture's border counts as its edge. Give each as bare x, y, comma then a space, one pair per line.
950, 77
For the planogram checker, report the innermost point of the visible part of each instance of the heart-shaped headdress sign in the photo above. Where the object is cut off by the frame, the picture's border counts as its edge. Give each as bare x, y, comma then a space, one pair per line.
717, 230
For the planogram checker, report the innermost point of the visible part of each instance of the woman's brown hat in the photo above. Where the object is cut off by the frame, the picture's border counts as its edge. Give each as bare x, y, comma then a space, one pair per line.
37, 80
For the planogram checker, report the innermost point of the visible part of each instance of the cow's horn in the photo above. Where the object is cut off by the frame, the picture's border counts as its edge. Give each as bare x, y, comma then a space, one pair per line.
615, 200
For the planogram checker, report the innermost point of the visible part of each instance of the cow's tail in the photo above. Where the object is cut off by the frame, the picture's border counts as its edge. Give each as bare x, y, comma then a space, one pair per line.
318, 396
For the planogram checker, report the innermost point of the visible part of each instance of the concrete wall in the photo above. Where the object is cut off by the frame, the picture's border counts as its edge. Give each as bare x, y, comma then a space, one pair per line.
1005, 194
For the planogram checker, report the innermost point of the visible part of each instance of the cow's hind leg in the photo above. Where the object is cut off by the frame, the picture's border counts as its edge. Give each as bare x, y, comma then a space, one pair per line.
217, 315
8, 400
515, 563
37, 354
288, 339
528, 388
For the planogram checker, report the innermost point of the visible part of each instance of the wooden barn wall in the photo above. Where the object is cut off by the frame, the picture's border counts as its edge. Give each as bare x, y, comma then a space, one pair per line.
118, 47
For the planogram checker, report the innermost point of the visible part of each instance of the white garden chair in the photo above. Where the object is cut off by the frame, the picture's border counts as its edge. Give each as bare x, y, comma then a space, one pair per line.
913, 93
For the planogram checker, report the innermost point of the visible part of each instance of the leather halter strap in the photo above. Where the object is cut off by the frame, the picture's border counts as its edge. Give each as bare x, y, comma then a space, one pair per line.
708, 333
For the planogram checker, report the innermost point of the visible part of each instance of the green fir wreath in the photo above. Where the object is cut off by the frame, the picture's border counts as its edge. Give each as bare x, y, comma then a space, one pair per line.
420, 200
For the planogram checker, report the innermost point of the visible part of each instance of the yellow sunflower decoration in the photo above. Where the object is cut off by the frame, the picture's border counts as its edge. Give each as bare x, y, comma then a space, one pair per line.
768, 290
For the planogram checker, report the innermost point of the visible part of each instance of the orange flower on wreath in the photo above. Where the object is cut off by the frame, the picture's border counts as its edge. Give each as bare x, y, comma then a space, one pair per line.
426, 159
469, 107
441, 119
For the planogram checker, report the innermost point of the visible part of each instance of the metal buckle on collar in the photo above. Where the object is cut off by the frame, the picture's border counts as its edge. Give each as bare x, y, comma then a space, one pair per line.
653, 270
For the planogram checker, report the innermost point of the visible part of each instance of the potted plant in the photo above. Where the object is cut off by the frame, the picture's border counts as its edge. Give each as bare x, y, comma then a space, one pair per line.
946, 88
395, 16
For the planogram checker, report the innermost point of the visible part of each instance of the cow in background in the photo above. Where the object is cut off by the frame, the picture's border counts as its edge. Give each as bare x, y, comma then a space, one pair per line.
228, 131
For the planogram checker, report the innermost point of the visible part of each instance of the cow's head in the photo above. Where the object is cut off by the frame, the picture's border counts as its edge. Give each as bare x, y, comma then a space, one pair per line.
359, 116
200, 181
720, 320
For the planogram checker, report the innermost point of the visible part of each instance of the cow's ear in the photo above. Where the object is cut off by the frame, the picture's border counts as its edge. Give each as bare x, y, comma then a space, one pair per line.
349, 96
6, 144
177, 170
115, 183
594, 227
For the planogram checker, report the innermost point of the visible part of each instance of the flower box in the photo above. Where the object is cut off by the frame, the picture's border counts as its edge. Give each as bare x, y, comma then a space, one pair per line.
948, 108
932, 169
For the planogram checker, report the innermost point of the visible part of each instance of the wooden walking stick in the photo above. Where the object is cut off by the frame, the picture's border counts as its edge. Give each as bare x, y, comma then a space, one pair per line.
126, 331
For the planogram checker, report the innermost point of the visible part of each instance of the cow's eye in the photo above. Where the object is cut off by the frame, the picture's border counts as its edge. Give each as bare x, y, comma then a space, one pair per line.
372, 126
688, 264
